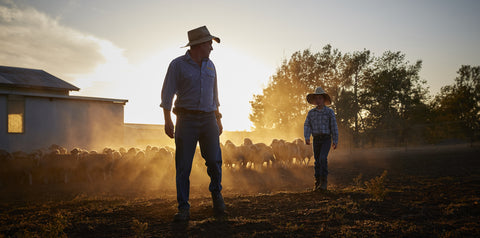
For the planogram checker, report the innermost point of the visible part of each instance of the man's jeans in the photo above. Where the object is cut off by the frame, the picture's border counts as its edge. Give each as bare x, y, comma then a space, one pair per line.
321, 147
190, 129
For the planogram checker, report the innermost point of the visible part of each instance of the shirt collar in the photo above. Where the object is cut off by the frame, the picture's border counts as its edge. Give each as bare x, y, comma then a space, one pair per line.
320, 110
190, 60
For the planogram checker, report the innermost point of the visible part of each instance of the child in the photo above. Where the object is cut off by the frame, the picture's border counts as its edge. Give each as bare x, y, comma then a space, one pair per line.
322, 125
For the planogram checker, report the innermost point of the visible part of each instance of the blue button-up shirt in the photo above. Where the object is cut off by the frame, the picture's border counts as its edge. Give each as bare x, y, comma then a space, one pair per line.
195, 86
321, 121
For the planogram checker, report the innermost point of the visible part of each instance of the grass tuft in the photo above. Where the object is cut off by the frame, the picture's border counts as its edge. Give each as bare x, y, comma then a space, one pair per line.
139, 227
376, 186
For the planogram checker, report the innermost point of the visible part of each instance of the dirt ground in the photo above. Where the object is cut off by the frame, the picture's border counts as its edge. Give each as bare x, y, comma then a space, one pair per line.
426, 192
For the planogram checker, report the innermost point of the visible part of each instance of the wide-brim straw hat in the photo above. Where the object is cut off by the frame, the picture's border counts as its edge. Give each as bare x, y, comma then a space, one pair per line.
319, 91
200, 35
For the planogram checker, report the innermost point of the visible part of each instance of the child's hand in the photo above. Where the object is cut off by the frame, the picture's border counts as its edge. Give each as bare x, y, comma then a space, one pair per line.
307, 142
334, 146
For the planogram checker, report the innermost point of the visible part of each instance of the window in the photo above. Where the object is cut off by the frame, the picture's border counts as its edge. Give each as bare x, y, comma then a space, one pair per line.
16, 114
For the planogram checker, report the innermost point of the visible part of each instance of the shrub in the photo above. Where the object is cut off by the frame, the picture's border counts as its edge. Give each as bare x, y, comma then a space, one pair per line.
376, 186
357, 181
139, 227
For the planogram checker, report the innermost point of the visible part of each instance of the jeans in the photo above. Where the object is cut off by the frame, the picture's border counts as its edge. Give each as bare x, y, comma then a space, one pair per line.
321, 147
190, 129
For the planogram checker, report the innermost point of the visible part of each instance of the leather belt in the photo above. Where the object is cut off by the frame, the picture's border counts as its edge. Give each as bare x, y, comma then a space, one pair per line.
321, 136
180, 110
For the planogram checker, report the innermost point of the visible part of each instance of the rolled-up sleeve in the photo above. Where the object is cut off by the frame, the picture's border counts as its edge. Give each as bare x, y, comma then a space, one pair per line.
215, 92
169, 86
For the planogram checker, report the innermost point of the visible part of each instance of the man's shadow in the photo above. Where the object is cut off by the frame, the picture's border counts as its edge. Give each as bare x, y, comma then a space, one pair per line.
179, 229
211, 227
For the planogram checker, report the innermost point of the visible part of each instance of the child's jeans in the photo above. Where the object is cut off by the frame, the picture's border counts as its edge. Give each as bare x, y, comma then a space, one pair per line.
321, 147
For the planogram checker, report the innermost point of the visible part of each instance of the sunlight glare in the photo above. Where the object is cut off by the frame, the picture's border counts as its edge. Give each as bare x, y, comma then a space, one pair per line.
239, 77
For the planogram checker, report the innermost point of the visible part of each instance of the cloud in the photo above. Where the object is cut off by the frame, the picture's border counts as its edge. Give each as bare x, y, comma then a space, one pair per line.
32, 39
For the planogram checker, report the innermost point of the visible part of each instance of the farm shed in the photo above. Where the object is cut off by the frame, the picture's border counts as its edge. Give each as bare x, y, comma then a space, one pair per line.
37, 111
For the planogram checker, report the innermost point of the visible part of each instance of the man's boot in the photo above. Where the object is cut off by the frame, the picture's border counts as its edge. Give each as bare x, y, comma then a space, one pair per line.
323, 185
218, 204
182, 215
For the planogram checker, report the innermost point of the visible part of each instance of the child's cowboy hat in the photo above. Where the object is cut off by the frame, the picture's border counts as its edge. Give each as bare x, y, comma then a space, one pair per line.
200, 35
319, 91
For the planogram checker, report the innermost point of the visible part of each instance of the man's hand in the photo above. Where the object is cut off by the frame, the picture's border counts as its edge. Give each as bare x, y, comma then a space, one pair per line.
220, 126
334, 146
169, 128
307, 141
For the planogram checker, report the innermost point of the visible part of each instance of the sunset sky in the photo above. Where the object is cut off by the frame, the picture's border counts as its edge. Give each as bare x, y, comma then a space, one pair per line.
121, 49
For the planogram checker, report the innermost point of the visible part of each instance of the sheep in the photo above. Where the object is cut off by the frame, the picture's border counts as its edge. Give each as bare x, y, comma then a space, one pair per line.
285, 152
258, 154
265, 154
150, 152
5, 155
305, 152
131, 153
232, 155
55, 167
163, 159
56, 164
22, 167
57, 149
122, 150
95, 166
131, 164
5, 160
247, 141
154, 167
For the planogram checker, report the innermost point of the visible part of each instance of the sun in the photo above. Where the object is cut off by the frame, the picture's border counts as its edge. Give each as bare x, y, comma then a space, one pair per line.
240, 76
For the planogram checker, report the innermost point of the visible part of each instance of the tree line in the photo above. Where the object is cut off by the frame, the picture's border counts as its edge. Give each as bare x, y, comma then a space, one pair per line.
377, 99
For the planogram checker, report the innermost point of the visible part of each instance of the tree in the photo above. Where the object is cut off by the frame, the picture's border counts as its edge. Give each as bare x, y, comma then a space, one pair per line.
282, 104
391, 94
456, 108
369, 94
355, 67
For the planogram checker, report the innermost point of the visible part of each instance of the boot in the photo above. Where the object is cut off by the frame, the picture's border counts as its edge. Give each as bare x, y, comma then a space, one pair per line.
182, 215
218, 204
323, 185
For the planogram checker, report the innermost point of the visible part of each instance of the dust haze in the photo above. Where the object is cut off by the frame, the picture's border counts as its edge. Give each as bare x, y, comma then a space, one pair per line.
252, 164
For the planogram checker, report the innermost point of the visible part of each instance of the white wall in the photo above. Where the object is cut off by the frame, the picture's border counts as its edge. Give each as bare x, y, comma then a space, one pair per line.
66, 122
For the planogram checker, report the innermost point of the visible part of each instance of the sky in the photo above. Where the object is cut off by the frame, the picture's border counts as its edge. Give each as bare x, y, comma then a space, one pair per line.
121, 49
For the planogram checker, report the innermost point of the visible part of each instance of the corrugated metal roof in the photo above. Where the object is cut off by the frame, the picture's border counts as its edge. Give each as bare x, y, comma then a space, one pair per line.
32, 78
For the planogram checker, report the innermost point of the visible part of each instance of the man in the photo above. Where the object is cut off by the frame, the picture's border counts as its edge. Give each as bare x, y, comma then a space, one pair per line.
193, 79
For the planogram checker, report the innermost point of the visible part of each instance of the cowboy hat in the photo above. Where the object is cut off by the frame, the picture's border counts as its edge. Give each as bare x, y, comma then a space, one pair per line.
200, 35
319, 91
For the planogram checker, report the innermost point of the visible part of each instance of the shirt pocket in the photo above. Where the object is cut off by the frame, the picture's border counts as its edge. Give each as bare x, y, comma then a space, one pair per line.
208, 80
210, 74
187, 74
188, 79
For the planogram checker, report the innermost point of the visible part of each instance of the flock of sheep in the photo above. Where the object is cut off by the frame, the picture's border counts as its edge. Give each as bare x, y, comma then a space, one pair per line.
58, 165
280, 152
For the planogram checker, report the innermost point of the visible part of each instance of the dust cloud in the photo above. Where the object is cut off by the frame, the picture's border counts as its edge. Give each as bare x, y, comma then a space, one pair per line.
253, 163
